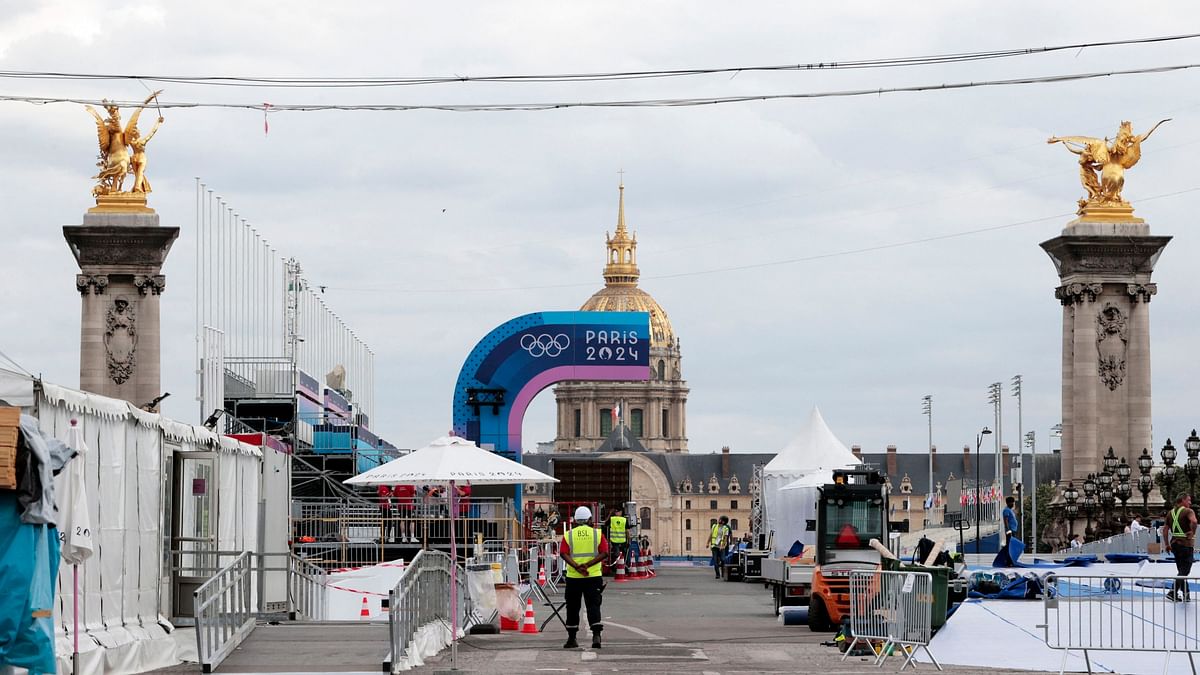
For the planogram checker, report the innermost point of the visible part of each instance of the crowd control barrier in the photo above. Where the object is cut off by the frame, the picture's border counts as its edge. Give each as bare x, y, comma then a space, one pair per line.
890, 611
422, 597
1127, 542
1110, 613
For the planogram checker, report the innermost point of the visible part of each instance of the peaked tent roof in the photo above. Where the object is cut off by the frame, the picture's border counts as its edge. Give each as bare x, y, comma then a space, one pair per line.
815, 447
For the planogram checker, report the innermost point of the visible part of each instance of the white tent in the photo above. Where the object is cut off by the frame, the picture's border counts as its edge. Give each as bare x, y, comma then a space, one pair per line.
811, 455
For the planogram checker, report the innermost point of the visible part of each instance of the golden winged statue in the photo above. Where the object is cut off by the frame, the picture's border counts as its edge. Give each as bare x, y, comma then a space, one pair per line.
122, 151
1102, 165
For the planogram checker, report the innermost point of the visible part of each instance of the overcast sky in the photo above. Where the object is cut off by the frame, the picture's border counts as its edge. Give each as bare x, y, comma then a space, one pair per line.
422, 224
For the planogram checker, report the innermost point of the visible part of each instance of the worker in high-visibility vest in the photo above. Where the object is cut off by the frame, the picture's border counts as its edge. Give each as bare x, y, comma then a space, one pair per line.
583, 549
718, 540
1181, 523
618, 535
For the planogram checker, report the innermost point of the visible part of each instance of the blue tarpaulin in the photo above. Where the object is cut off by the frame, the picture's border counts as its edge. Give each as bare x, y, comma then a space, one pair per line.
29, 557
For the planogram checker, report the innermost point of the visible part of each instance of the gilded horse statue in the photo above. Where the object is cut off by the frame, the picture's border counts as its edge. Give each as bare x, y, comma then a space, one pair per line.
1102, 163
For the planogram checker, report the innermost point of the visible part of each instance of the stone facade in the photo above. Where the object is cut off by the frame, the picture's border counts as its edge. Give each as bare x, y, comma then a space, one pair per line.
120, 258
1105, 292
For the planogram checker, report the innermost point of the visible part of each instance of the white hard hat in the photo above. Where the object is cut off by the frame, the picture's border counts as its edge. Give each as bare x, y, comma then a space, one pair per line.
583, 513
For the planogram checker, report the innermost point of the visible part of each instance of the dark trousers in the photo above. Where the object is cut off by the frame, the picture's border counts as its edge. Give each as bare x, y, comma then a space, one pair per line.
591, 592
1183, 565
718, 556
620, 551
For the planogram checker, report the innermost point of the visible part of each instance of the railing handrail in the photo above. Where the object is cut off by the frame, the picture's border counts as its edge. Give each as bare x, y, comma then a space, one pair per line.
422, 595
223, 615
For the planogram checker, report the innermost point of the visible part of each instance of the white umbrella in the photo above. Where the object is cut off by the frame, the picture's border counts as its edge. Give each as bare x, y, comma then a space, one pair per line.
75, 522
451, 460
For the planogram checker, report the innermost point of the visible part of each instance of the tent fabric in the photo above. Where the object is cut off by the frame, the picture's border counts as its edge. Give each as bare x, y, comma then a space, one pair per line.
16, 389
814, 447
450, 458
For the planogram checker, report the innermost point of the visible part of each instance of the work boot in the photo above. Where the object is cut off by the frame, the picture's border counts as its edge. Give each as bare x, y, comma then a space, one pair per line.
596, 638
570, 643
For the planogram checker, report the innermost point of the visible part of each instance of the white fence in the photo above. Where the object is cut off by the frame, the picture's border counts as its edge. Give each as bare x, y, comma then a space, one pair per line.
894, 609
1129, 614
1128, 542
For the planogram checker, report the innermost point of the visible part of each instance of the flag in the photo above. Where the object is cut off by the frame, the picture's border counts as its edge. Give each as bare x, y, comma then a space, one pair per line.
75, 521
616, 414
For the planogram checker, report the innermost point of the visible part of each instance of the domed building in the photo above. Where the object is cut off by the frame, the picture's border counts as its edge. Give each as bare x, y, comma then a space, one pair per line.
654, 412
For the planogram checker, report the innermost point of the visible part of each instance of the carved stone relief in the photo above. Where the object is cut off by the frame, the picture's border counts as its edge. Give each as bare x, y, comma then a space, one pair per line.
1112, 342
1141, 292
120, 339
91, 283
1077, 293
150, 284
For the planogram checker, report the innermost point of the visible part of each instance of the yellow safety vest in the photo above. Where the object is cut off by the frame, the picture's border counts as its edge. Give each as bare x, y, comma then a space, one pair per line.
585, 545
616, 529
1177, 531
719, 535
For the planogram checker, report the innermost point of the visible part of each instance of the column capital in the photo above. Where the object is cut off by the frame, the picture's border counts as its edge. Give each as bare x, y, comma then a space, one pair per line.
152, 284
1077, 293
91, 283
1141, 292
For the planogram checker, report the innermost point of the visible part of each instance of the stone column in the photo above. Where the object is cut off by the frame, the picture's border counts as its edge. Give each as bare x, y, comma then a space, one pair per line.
120, 256
1105, 291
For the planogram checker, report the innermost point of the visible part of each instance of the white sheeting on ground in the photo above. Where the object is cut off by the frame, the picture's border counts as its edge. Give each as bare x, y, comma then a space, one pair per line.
346, 590
122, 588
815, 451
428, 640
1012, 638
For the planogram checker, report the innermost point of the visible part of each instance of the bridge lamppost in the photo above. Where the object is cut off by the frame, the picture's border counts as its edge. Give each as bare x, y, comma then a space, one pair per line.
1124, 489
1169, 470
1192, 466
1105, 485
1145, 481
1070, 506
1089, 501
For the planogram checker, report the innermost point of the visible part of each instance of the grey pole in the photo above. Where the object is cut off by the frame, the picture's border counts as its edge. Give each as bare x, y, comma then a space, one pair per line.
927, 406
1016, 383
1029, 438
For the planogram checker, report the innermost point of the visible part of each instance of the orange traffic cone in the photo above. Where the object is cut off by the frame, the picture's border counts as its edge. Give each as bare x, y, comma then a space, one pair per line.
530, 625
650, 564
541, 580
620, 575
365, 612
509, 624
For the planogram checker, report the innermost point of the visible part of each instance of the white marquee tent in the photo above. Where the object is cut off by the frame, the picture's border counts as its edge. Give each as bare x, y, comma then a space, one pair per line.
811, 455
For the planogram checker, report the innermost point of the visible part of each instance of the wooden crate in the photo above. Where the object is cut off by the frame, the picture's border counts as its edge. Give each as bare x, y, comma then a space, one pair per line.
10, 418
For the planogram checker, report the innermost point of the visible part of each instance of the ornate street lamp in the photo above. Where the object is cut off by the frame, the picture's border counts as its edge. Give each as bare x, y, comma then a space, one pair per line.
1104, 490
1192, 466
1089, 500
1110, 462
1169, 470
1107, 501
1145, 481
1124, 489
1071, 497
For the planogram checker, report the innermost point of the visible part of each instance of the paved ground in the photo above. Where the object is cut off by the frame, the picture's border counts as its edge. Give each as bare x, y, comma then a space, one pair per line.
682, 621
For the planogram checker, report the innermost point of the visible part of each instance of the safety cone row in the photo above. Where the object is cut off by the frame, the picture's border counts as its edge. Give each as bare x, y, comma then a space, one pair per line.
619, 577
636, 571
530, 624
365, 612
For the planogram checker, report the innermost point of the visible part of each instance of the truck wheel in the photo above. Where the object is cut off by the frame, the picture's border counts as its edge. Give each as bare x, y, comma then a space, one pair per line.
818, 616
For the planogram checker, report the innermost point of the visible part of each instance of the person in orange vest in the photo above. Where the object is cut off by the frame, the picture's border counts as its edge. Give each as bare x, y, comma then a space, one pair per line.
583, 549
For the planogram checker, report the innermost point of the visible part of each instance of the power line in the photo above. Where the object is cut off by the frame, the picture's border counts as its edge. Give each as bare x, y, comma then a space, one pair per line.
635, 103
760, 265
384, 81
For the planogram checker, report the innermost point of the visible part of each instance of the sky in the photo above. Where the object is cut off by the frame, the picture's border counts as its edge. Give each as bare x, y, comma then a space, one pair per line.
850, 253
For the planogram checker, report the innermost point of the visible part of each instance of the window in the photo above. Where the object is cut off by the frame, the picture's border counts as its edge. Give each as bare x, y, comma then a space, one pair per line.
605, 421
904, 504
578, 423
687, 525
712, 504
733, 525
662, 369
689, 543
665, 426
687, 503
851, 524
635, 422
644, 518
733, 504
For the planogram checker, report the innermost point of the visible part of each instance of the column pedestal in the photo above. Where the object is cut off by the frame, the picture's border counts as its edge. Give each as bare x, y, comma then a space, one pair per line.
120, 257
1105, 291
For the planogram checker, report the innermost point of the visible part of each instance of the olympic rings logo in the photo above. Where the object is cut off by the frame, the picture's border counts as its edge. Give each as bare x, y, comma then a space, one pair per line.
545, 344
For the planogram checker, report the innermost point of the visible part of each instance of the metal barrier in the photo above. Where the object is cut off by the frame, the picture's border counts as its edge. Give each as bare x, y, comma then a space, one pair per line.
1127, 542
894, 609
422, 596
224, 616
1110, 613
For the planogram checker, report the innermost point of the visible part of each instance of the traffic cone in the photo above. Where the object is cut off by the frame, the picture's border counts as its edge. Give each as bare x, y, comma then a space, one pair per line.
541, 580
530, 625
509, 624
620, 576
650, 564
635, 568
365, 612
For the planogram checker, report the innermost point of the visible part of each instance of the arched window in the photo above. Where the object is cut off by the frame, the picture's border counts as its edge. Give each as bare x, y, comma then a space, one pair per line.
614, 256
662, 369
644, 518
733, 525
687, 524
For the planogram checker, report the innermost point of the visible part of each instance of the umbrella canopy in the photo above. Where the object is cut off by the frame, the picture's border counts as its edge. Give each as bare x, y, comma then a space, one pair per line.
451, 459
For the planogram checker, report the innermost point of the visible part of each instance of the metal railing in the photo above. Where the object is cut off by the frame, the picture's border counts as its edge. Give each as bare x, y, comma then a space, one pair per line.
1127, 542
1111, 613
224, 616
421, 597
305, 582
894, 609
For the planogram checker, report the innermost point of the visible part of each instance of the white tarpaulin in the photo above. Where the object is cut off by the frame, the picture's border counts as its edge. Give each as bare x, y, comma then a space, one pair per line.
815, 451
16, 389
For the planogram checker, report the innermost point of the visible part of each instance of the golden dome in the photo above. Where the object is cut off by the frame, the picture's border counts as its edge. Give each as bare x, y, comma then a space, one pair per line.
620, 292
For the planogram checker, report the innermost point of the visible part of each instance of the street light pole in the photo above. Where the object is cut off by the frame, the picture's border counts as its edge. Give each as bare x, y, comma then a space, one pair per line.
995, 398
1016, 389
927, 408
978, 497
1032, 443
